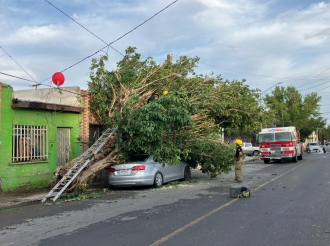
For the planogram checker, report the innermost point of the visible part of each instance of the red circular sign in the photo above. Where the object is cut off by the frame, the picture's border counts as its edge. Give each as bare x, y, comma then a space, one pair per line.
58, 78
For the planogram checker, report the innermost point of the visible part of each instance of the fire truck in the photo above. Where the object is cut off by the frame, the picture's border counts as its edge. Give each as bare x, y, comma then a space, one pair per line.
280, 143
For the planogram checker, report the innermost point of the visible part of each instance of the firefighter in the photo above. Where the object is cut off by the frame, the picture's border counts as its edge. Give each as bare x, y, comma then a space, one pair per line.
238, 161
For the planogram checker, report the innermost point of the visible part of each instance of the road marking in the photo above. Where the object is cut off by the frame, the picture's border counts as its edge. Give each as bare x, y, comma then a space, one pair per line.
194, 222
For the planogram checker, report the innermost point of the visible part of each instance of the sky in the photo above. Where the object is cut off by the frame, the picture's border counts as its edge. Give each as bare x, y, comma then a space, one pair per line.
266, 42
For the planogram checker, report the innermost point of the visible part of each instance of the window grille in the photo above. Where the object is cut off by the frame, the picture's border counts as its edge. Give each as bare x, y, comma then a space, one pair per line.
29, 143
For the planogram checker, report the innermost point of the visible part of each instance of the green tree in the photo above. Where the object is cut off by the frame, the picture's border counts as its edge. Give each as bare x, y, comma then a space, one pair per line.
292, 109
326, 133
181, 125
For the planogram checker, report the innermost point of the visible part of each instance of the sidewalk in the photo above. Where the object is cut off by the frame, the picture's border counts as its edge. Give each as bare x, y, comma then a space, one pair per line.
12, 200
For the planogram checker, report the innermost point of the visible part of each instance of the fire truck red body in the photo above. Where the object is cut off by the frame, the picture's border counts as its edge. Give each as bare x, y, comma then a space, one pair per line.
280, 143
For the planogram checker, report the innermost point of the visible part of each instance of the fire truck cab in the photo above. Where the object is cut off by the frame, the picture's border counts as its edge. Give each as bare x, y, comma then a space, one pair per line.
280, 143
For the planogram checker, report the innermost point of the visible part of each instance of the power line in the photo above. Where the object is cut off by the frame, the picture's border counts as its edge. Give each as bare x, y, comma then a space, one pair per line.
16, 77
293, 78
314, 77
315, 86
323, 88
43, 84
84, 27
117, 38
18, 64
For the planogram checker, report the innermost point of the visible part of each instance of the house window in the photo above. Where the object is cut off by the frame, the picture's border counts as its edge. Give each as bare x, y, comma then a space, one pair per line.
29, 143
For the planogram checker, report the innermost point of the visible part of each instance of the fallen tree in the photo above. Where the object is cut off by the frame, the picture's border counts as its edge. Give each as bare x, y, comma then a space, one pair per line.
165, 110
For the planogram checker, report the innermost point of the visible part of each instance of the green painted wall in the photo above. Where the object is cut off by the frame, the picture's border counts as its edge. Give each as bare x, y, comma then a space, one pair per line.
29, 175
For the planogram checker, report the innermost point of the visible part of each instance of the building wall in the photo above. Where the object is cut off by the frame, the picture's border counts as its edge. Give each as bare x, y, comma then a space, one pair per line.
34, 174
87, 120
62, 96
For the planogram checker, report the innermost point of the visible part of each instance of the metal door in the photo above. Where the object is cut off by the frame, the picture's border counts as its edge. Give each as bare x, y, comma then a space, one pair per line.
63, 146
95, 131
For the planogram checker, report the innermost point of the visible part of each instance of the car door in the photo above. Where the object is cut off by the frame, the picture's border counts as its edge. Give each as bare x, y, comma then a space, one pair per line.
166, 170
326, 146
248, 148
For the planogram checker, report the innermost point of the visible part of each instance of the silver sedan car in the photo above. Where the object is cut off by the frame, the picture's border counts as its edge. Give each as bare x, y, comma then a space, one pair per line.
311, 147
326, 147
144, 170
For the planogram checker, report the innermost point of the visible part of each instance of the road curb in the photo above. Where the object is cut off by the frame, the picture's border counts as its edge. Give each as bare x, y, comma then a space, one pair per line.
20, 204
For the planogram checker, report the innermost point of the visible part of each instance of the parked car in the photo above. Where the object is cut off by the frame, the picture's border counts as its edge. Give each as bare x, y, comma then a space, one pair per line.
145, 170
326, 147
250, 150
313, 147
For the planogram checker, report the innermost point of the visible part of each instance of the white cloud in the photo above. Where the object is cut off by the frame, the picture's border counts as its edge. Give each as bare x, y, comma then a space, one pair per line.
240, 35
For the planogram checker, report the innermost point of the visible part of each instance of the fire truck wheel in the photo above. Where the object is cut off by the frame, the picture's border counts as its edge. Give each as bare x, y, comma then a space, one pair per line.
294, 159
266, 161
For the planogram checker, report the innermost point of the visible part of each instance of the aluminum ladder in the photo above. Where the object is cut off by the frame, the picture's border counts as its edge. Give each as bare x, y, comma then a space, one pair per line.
76, 169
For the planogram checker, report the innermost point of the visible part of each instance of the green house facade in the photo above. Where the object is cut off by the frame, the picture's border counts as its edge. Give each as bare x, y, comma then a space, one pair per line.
39, 132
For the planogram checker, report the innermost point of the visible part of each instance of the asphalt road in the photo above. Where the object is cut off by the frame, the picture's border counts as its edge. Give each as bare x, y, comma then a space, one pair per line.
289, 205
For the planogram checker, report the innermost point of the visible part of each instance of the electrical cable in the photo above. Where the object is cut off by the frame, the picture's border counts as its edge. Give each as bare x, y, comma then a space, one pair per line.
16, 77
43, 84
83, 27
117, 38
314, 77
277, 80
292, 78
315, 86
18, 64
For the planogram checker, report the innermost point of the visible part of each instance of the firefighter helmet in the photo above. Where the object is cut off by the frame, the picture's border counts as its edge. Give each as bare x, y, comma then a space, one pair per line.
239, 142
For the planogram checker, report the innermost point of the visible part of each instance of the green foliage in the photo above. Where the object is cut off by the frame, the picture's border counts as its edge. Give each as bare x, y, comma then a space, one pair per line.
325, 133
181, 125
292, 109
157, 128
213, 156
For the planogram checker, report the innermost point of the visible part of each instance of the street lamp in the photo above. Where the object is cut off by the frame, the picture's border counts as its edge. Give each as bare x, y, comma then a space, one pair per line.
261, 97
272, 86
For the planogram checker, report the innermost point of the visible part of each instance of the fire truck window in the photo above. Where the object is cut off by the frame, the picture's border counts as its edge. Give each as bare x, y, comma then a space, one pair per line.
283, 136
267, 137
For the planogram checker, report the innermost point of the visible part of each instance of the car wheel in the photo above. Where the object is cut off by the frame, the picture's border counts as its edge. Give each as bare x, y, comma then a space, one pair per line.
187, 174
266, 161
158, 180
255, 153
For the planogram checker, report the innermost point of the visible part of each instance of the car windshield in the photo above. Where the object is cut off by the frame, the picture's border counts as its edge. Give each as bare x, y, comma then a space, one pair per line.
266, 137
313, 144
283, 136
136, 158
272, 137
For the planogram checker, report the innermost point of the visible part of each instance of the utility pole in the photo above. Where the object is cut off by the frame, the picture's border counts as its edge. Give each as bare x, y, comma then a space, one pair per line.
35, 85
169, 58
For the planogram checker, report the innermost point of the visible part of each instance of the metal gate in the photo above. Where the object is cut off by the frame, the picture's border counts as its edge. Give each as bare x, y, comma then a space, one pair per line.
63, 146
95, 131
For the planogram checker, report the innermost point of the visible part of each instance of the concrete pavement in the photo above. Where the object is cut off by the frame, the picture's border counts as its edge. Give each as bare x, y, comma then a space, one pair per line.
11, 200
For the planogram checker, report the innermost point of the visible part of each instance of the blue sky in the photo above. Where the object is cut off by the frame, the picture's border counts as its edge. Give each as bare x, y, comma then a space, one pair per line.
265, 42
